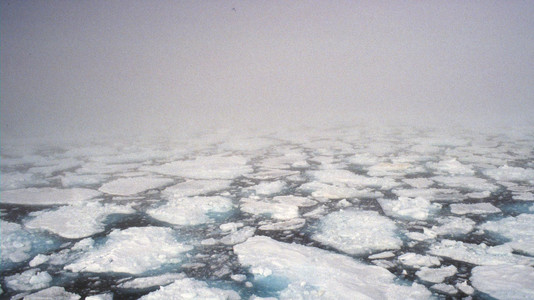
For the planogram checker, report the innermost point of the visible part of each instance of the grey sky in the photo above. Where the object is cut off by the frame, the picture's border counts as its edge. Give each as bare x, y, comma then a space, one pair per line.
168, 66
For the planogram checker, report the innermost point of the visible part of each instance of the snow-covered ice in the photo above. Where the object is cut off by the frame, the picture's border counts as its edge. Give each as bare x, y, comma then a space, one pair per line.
506, 281
191, 289
520, 231
475, 208
133, 185
47, 196
409, 208
191, 210
436, 275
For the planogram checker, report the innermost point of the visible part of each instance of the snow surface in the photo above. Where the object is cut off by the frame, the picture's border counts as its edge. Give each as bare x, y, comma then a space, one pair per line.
357, 232
505, 281
408, 208
191, 210
311, 272
134, 250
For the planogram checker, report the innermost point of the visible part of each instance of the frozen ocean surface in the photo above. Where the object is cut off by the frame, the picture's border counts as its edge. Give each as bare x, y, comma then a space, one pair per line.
342, 213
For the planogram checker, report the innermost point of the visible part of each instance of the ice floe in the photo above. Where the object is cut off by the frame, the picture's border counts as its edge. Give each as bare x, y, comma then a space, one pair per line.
357, 232
29, 280
505, 281
54, 292
191, 289
75, 221
409, 208
268, 188
470, 183
134, 250
312, 273
274, 209
520, 231
191, 210
48, 196
194, 188
506, 173
474, 209
133, 185
335, 176
417, 261
146, 282
436, 275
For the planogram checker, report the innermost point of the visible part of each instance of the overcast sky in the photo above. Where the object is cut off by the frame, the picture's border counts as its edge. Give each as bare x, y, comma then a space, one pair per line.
167, 66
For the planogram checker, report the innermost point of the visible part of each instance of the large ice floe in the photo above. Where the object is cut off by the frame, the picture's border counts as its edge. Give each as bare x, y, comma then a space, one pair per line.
312, 213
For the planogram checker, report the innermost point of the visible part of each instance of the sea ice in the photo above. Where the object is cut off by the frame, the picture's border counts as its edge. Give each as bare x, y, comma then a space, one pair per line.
191, 210
285, 225
451, 166
474, 209
146, 282
417, 261
505, 281
268, 188
357, 232
520, 230
419, 183
187, 288
54, 292
409, 208
453, 226
466, 182
134, 250
28, 280
194, 188
335, 176
321, 190
133, 185
48, 196
205, 167
75, 221
506, 173
444, 288
436, 275
478, 254
275, 209
239, 236
312, 273
18, 180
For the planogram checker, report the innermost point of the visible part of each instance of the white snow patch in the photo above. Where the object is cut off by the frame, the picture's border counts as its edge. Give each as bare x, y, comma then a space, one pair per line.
314, 273
520, 230
451, 166
190, 289
268, 188
474, 209
274, 209
504, 281
417, 261
436, 275
453, 226
48, 196
191, 210
506, 173
134, 250
357, 232
409, 208
444, 288
76, 221
133, 185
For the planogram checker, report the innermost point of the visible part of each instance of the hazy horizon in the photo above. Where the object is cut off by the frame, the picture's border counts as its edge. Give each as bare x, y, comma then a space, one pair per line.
71, 68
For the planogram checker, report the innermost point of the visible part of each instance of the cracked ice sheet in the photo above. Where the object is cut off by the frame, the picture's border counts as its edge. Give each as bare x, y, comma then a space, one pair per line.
504, 281
191, 289
75, 221
48, 196
134, 250
313, 272
133, 185
408, 208
520, 230
191, 210
205, 167
476, 208
194, 188
357, 232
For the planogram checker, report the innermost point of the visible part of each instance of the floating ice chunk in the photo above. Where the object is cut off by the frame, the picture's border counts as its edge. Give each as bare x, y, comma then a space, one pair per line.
520, 230
285, 225
276, 210
391, 169
105, 296
343, 203
239, 277
55, 166
506, 173
363, 159
504, 281
474, 209
419, 183
271, 174
295, 200
316, 213
313, 272
444, 288
205, 167
76, 221
466, 182
451, 166
382, 255
38, 260
194, 188
133, 185
134, 250
335, 176
48, 196
409, 208
17, 180
269, 188
477, 254
464, 287
105, 168
230, 226
436, 275
191, 210
431, 194
146, 282
55, 292
526, 196
479, 195
453, 226
191, 289
357, 232
417, 261
76, 180
322, 190
28, 280
238, 236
